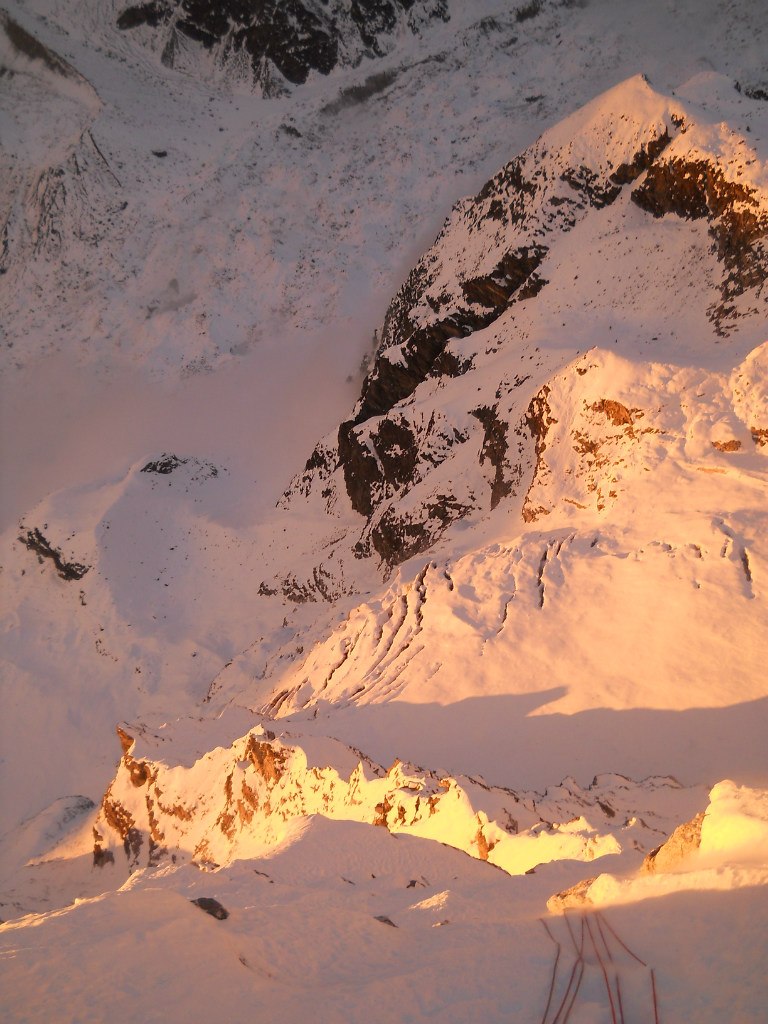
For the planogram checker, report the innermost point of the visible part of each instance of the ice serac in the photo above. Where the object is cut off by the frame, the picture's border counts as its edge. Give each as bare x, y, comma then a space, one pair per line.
585, 240
275, 46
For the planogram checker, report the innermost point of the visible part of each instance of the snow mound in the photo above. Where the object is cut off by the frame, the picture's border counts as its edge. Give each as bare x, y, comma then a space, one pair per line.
725, 847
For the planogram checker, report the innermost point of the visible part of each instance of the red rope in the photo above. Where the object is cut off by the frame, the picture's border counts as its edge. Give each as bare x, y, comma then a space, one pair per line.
621, 1003
602, 936
655, 1002
623, 944
604, 971
578, 964
554, 973
575, 993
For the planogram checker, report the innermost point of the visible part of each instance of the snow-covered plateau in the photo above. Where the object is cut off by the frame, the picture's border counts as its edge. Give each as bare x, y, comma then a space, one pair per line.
384, 511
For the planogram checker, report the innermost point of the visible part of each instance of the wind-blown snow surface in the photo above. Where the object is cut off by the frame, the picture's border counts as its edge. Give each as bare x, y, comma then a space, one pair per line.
556, 669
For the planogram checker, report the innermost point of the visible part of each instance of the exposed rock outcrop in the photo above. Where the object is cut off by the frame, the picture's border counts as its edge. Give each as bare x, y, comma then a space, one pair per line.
686, 839
280, 43
493, 242
574, 897
167, 463
719, 848
211, 906
164, 465
494, 450
398, 535
68, 569
694, 189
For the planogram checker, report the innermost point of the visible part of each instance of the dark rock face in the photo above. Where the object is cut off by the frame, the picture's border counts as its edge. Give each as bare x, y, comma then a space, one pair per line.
755, 91
399, 535
696, 189
102, 857
67, 570
494, 290
288, 34
390, 382
590, 187
645, 156
385, 460
423, 353
386, 469
598, 191
152, 14
295, 37
164, 465
212, 907
528, 11
449, 364
494, 450
677, 187
122, 821
538, 420
168, 463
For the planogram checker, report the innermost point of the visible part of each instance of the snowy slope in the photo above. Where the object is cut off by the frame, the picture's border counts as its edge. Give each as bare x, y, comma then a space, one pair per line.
524, 566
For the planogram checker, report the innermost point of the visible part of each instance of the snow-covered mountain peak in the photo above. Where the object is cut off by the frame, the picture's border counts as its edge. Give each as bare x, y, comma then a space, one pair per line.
587, 239
510, 617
